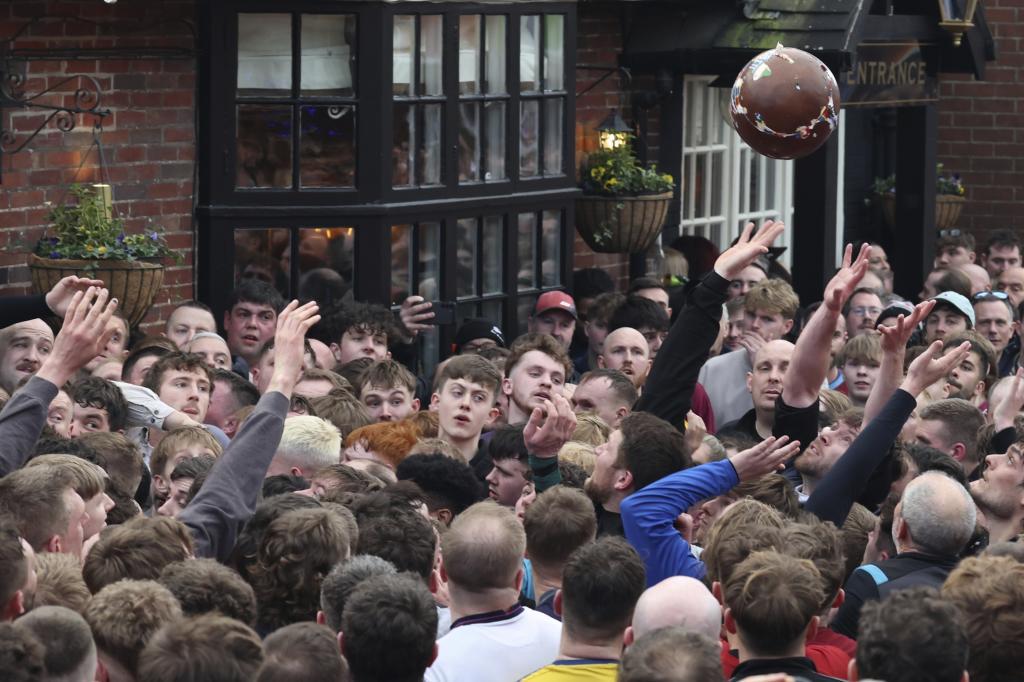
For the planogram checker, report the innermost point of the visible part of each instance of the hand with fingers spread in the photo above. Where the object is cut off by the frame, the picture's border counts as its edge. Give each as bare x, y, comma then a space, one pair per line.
82, 337
767, 456
292, 324
747, 248
1009, 407
845, 281
931, 365
416, 314
894, 338
59, 298
549, 428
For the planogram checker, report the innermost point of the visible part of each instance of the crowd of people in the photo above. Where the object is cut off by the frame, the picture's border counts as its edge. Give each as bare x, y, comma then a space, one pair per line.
699, 479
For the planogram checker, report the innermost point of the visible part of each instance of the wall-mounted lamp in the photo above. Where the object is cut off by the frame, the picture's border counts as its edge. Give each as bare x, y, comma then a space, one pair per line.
613, 132
954, 21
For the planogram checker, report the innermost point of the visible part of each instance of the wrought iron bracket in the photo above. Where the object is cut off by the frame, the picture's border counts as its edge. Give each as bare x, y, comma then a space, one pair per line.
50, 101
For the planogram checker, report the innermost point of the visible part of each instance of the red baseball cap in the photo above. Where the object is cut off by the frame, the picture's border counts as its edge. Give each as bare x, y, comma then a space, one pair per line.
555, 300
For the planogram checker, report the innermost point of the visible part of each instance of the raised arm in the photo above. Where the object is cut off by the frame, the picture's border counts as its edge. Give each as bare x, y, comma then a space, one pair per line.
82, 337
846, 481
809, 366
669, 387
649, 514
894, 349
229, 495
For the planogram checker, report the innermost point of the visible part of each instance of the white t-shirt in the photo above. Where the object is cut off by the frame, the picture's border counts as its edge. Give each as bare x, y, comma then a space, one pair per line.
503, 649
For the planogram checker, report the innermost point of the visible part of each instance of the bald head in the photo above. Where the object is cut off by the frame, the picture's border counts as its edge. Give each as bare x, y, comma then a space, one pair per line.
935, 516
978, 276
681, 601
626, 350
23, 347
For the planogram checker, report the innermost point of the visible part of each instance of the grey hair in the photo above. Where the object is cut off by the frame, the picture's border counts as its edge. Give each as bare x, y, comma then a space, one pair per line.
939, 513
205, 335
343, 580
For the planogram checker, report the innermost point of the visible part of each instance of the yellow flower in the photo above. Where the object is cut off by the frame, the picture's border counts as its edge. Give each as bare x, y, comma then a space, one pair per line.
89, 247
101, 250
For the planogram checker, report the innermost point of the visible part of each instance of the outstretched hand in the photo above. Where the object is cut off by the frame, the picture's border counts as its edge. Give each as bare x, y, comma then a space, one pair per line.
1009, 407
82, 337
931, 365
549, 428
289, 347
58, 299
767, 456
747, 248
416, 314
845, 281
894, 338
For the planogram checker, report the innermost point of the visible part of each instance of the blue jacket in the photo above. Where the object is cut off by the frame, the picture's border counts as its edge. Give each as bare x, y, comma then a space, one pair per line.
649, 514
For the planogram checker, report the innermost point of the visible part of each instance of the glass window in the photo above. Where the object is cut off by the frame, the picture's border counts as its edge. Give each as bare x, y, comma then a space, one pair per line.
428, 280
401, 262
527, 247
494, 54
326, 265
551, 249
265, 54
542, 124
554, 52
482, 103
266, 128
466, 257
529, 53
529, 132
490, 254
259, 255
469, 54
418, 113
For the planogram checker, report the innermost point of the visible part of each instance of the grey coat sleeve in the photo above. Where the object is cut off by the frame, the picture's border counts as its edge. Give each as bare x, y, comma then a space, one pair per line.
21, 422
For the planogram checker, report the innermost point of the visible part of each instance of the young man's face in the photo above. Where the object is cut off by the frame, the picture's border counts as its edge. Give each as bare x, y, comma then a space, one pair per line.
140, 370
601, 484
656, 294
967, 379
248, 327
185, 322
943, 323
1011, 281
953, 257
162, 479
819, 457
214, 351
535, 378
115, 348
27, 345
463, 408
556, 323
360, 343
506, 480
1000, 258
177, 494
597, 332
388, 404
594, 395
768, 325
96, 509
742, 285
995, 323
60, 413
88, 419
626, 350
72, 538
863, 313
861, 375
998, 491
186, 391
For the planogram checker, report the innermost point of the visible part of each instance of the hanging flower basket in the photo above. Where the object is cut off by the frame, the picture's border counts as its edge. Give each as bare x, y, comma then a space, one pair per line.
621, 224
947, 210
133, 283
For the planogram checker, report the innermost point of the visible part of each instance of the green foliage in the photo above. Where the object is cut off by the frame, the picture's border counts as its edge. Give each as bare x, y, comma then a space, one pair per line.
616, 172
944, 184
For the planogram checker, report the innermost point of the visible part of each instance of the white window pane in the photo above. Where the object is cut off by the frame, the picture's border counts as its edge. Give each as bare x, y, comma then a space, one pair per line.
327, 56
264, 54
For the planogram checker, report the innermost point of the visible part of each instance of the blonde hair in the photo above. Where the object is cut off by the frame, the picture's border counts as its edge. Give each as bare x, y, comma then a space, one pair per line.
60, 581
87, 479
773, 296
310, 442
591, 429
580, 454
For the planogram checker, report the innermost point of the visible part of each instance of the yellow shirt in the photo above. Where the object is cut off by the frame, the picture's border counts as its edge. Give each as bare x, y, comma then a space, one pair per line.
576, 670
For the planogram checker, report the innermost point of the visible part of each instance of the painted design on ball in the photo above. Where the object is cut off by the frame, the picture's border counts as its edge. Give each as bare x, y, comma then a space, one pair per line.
785, 103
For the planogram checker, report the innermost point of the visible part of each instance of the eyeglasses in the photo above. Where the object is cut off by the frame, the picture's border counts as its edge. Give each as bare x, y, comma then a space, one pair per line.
950, 233
866, 310
984, 295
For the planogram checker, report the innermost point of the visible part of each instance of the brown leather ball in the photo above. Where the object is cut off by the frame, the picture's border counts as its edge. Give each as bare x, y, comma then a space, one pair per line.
785, 103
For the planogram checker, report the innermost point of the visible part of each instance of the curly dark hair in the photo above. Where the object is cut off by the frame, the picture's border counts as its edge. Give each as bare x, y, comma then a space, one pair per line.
103, 395
204, 586
390, 528
445, 482
244, 554
371, 317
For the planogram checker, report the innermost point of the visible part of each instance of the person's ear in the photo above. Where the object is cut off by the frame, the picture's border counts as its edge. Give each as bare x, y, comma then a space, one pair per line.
492, 415
296, 471
730, 622
628, 637
415, 404
506, 386
716, 591
621, 413
102, 674
227, 316
812, 628
53, 545
840, 598
255, 372
321, 619
786, 326
336, 352
624, 481
520, 576
432, 584
14, 607
750, 385
558, 603
441, 570
341, 642
435, 402
959, 451
600, 362
445, 516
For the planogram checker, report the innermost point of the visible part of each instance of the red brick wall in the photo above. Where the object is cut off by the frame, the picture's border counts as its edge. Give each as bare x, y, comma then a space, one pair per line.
148, 140
981, 128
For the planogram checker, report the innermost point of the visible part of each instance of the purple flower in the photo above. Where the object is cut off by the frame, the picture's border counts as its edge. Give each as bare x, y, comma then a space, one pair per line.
120, 238
54, 254
54, 241
154, 236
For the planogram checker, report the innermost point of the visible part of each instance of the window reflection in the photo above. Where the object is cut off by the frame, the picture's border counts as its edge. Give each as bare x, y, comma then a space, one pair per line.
527, 248
325, 267
551, 248
258, 256
328, 146
264, 146
466, 256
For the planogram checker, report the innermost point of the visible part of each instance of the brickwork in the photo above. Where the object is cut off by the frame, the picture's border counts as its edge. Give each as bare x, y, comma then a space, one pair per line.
148, 140
981, 128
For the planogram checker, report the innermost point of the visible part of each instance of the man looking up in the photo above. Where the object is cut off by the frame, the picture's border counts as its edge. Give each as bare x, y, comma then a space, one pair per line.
769, 309
23, 348
626, 350
554, 314
971, 379
249, 321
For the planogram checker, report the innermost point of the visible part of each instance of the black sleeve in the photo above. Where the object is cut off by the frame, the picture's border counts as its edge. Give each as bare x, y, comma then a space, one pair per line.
1002, 441
15, 309
669, 388
799, 423
847, 479
859, 589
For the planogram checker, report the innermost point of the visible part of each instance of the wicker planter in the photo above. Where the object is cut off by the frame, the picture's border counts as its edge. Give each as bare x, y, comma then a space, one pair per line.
947, 210
621, 224
133, 283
